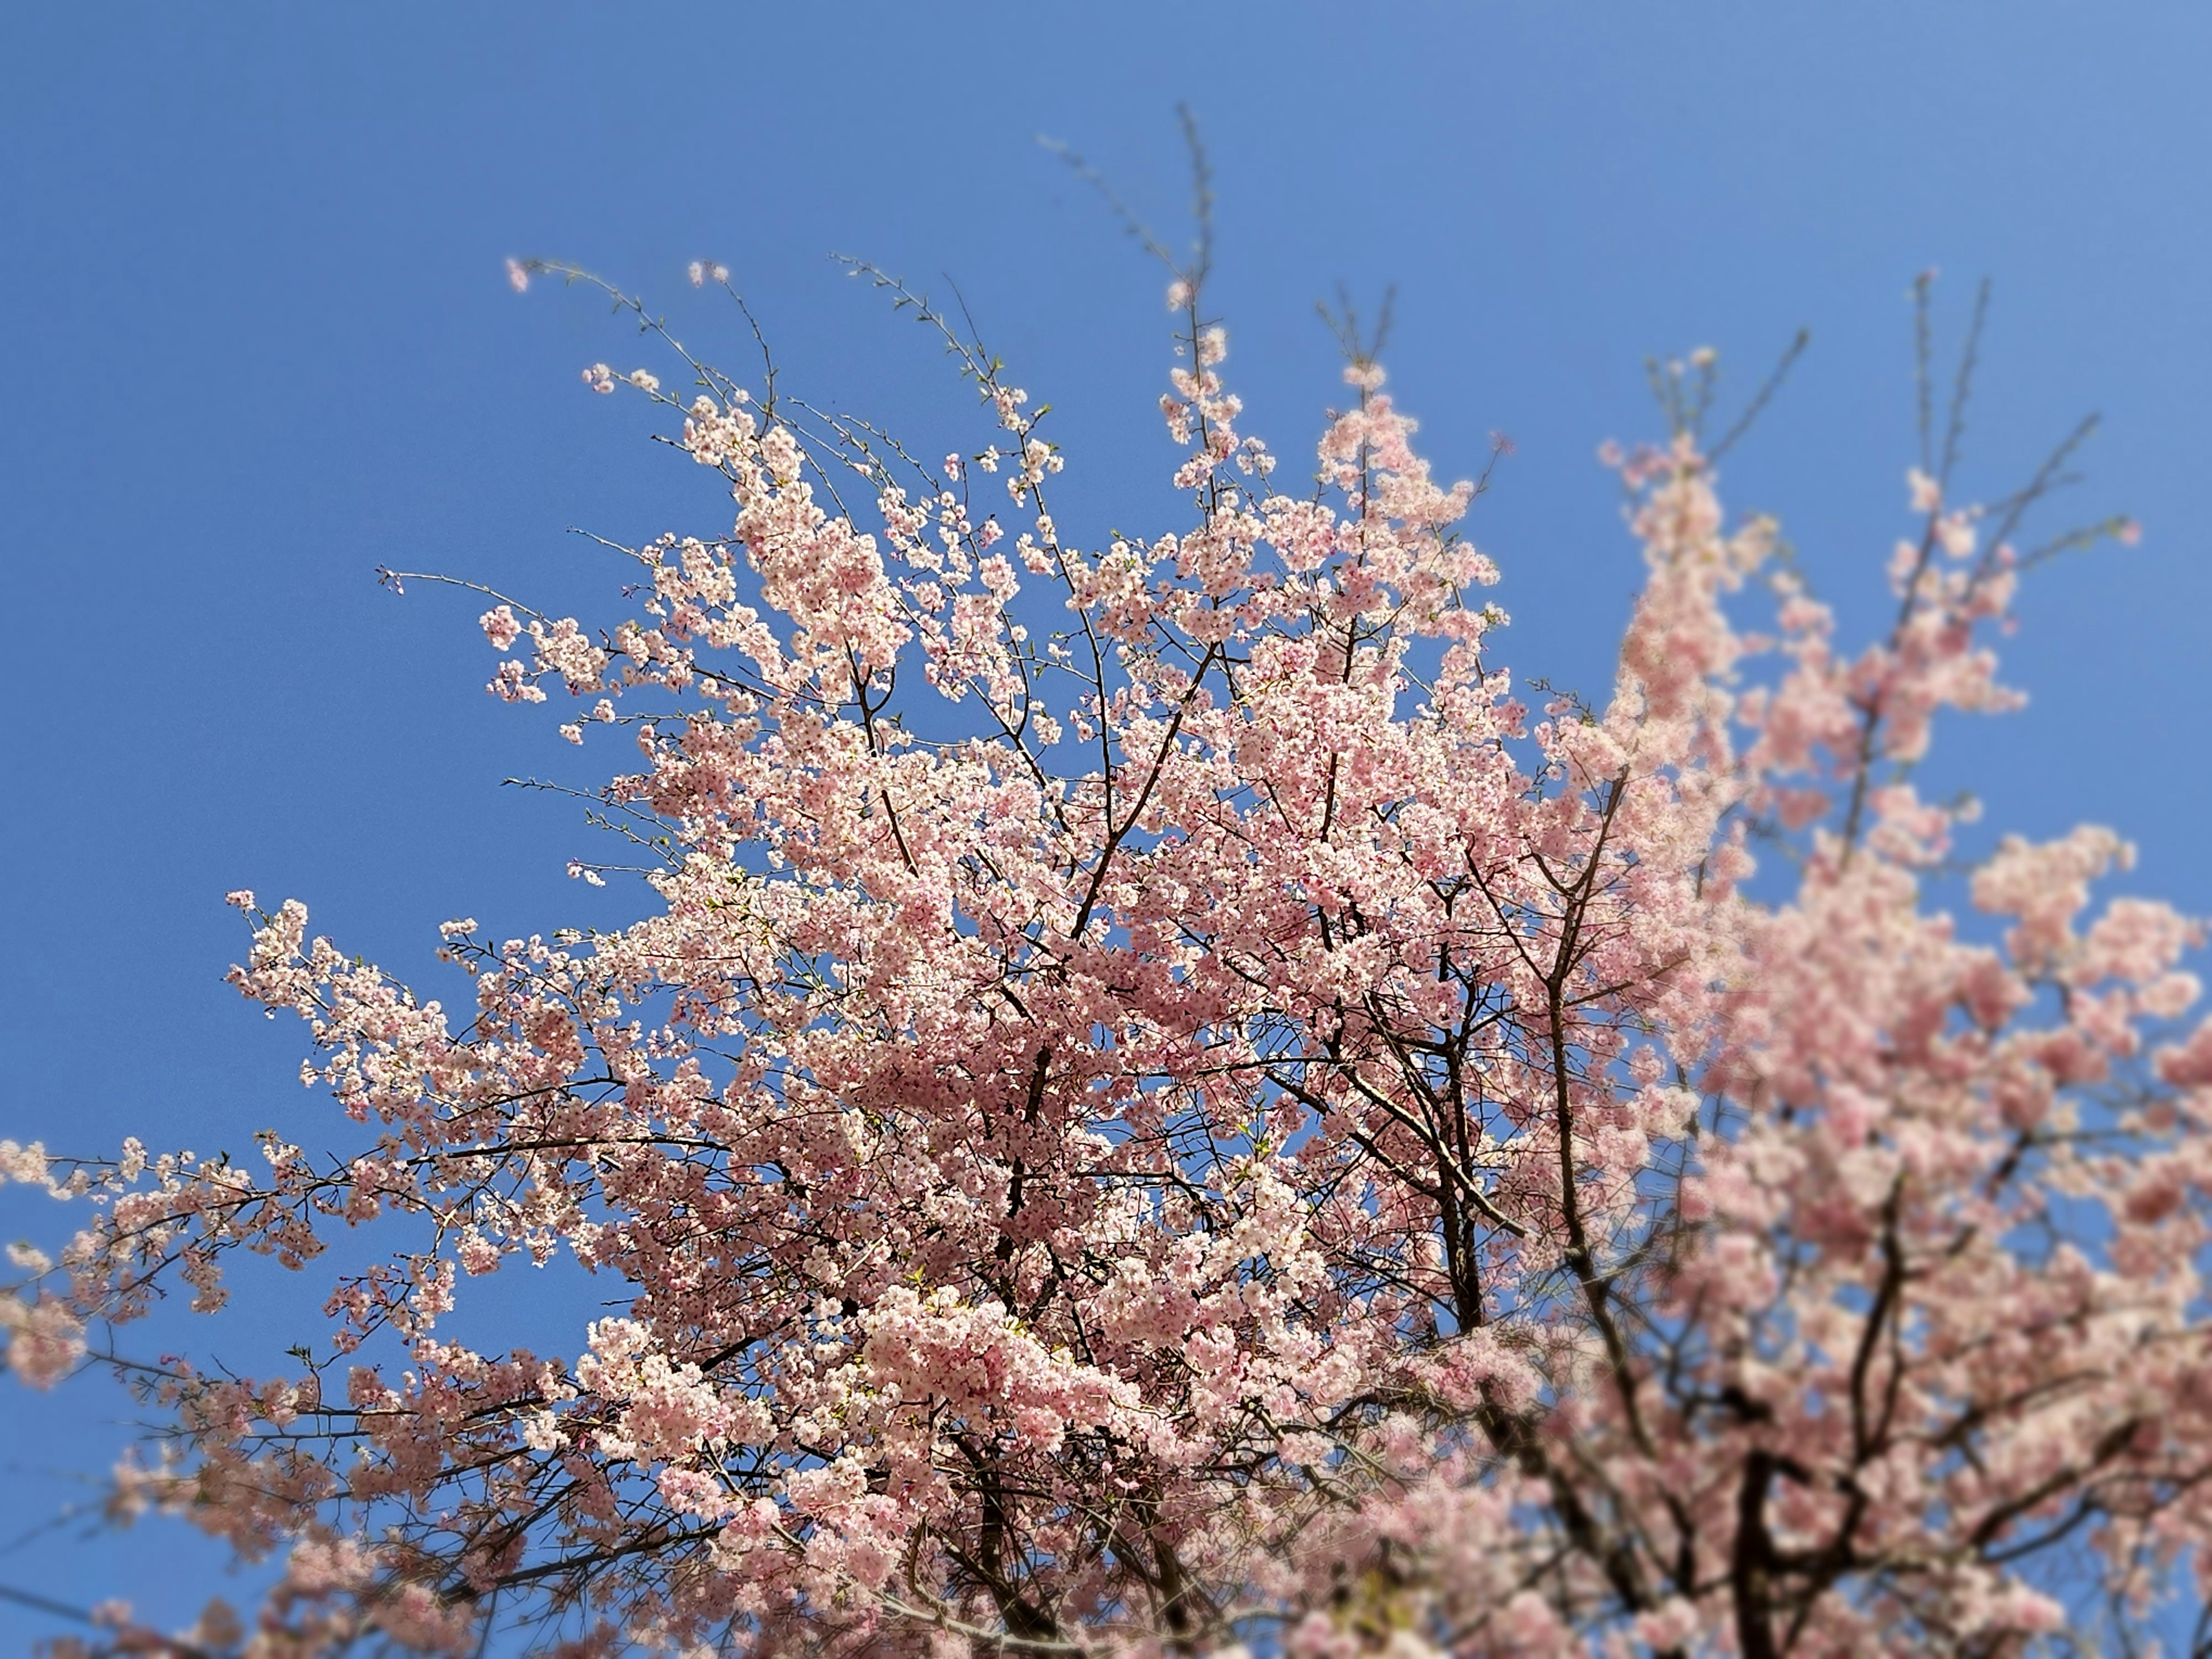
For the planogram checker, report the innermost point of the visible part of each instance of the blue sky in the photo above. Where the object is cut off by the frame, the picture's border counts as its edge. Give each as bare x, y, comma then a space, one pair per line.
258, 342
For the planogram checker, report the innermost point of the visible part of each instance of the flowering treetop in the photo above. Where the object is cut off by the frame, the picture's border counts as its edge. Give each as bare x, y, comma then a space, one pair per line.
1160, 1107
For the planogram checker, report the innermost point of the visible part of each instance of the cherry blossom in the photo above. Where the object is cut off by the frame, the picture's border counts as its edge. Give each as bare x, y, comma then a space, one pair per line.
1160, 1102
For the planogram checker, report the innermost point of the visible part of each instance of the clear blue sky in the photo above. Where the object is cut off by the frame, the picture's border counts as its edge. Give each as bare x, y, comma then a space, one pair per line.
256, 341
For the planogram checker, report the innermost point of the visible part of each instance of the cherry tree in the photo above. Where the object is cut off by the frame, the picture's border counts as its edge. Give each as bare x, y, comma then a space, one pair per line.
1162, 1102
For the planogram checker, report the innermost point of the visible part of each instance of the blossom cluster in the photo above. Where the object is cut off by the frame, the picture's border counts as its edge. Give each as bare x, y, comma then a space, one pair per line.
1199, 1118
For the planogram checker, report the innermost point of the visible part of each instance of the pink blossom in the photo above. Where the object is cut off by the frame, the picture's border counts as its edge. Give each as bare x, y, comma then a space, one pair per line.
500, 627
1154, 1093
